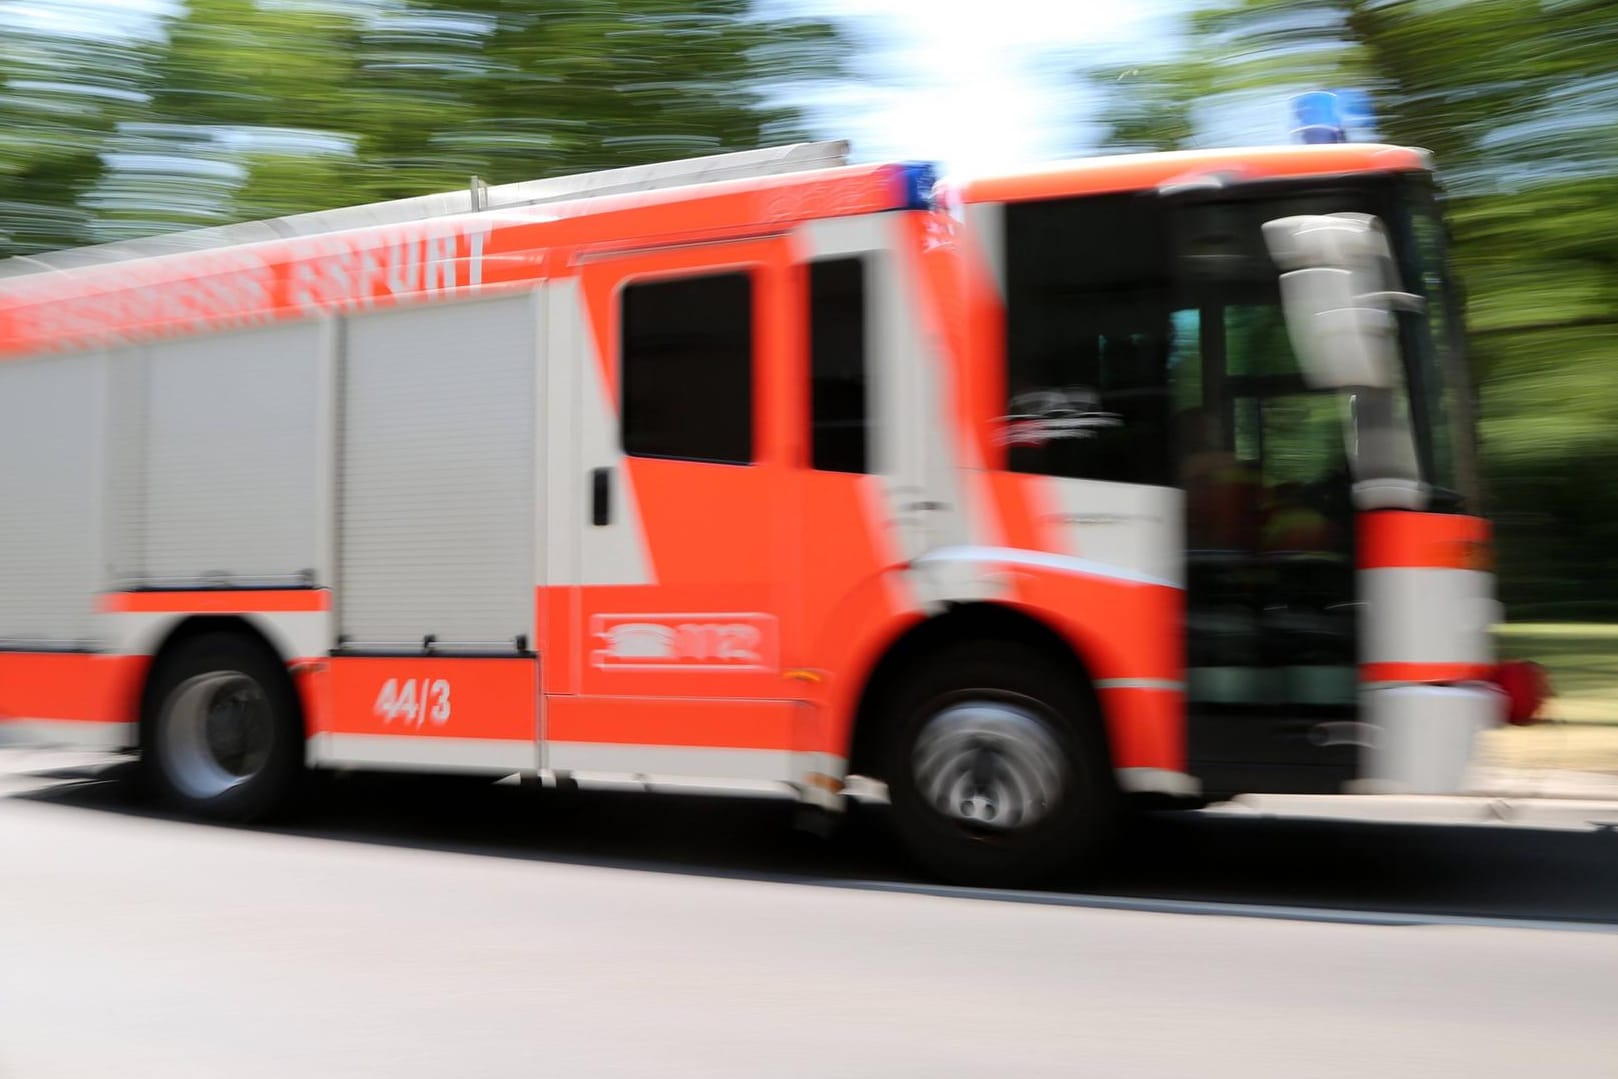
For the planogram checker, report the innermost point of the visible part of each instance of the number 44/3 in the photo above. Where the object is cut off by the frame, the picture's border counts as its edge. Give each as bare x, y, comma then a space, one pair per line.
413, 702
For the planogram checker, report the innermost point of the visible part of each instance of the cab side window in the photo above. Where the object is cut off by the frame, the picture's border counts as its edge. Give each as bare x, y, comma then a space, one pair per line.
687, 368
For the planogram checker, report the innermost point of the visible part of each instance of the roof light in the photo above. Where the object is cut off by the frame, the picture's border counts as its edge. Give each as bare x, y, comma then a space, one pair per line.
916, 182
1318, 118
1354, 110
1325, 116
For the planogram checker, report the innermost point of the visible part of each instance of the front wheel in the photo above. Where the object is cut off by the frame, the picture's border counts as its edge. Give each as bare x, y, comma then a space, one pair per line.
997, 771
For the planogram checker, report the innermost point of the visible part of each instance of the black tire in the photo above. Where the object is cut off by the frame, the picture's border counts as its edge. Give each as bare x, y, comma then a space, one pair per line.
223, 735
1070, 830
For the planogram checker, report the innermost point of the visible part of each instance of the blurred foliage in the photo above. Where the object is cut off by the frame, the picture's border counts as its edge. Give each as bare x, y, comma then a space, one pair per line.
64, 97
224, 110
1515, 98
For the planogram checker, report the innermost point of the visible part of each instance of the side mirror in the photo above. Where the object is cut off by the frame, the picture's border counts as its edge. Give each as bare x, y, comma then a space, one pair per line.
1335, 289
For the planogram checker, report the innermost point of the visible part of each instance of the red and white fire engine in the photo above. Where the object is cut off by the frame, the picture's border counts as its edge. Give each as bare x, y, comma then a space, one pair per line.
1144, 476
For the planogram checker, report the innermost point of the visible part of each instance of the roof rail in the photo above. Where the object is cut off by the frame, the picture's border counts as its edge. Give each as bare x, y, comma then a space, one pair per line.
479, 196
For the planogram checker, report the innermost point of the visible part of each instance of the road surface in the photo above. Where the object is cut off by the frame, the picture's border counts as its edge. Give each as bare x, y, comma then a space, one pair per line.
415, 929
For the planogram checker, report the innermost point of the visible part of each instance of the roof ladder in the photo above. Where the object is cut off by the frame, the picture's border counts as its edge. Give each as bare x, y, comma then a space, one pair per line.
480, 196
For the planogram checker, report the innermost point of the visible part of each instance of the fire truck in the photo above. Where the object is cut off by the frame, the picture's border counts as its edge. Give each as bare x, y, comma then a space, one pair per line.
1026, 498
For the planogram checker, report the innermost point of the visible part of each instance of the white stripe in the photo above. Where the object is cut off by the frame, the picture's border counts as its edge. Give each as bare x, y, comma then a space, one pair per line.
1426, 737
1428, 615
1168, 685
704, 762
295, 634
67, 733
832, 237
1136, 527
418, 753
616, 553
1157, 781
1044, 560
901, 596
986, 228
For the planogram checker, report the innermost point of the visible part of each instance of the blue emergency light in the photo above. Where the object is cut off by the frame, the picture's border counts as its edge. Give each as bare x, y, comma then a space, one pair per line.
1317, 118
1325, 116
917, 180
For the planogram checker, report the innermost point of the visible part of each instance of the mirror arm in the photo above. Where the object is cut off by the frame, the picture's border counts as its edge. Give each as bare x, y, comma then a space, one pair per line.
1397, 301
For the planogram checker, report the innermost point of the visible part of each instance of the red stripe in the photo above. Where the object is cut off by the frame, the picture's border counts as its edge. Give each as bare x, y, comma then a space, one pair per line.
1398, 540
1425, 672
74, 686
218, 601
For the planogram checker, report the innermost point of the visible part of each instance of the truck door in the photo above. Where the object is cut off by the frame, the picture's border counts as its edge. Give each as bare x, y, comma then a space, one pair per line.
684, 600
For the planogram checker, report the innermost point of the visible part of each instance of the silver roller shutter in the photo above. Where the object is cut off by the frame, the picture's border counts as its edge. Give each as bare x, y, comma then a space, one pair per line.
230, 464
437, 475
51, 443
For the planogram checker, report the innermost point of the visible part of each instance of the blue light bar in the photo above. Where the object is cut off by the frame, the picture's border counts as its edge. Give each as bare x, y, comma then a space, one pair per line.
1318, 117
1354, 109
916, 182
1333, 116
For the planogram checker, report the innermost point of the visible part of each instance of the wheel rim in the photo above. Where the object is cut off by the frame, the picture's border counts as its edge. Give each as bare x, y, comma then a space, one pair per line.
992, 766
218, 731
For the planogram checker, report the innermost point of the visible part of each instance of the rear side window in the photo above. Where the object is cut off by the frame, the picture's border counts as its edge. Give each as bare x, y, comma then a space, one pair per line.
840, 392
687, 368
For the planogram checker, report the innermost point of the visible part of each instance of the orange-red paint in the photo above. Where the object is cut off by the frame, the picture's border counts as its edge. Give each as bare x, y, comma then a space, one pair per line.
70, 686
1425, 672
1146, 171
481, 698
1145, 727
1399, 540
717, 724
262, 283
218, 601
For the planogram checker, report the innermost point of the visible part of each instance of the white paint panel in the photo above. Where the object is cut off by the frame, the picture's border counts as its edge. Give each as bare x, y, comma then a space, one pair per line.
67, 734
834, 237
1427, 616
437, 488
1157, 781
697, 762
1130, 527
231, 485
293, 634
51, 446
416, 753
1059, 563
1425, 737
986, 235
615, 553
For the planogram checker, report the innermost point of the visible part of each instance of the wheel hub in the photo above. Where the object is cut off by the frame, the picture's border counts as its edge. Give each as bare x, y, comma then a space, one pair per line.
217, 733
989, 764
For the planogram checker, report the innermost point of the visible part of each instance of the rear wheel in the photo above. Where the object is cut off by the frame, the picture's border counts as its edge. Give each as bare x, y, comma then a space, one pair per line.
997, 770
224, 737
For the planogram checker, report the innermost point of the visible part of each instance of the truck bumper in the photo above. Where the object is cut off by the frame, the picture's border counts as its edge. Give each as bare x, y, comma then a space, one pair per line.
1421, 737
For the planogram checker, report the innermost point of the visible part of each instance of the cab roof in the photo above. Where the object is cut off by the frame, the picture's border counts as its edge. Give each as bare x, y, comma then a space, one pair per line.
1136, 172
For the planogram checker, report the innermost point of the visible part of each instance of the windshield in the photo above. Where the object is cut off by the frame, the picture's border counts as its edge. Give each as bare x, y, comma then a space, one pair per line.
1143, 329
1434, 347
1420, 427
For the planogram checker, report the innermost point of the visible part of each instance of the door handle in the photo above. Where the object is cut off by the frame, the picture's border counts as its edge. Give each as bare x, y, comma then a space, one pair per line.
600, 496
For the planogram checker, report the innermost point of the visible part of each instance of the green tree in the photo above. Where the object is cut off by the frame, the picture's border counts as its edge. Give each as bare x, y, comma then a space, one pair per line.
63, 94
241, 109
577, 85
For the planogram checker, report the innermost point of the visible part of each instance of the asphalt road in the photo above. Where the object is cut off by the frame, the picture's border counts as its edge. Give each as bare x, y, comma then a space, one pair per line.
412, 928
